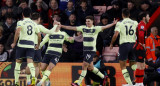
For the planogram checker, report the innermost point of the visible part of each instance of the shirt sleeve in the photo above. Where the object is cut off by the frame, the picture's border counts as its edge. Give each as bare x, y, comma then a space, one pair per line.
79, 28
19, 24
45, 30
98, 29
45, 40
37, 29
67, 38
117, 28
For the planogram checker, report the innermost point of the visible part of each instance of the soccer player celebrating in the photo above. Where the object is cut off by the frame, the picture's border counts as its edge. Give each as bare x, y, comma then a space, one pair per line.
127, 30
90, 33
37, 57
53, 52
25, 31
140, 48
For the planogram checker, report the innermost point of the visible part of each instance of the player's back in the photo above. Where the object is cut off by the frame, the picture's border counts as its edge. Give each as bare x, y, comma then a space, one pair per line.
27, 33
127, 30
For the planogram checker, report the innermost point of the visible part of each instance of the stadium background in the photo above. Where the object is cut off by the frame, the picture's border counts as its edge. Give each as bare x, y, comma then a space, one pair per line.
65, 73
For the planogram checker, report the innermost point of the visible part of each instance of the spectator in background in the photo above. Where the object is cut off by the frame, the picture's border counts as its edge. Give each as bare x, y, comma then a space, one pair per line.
4, 55
133, 10
84, 11
76, 48
55, 17
70, 8
104, 38
115, 11
9, 8
63, 4
146, 6
41, 7
53, 9
71, 22
9, 27
1, 35
23, 4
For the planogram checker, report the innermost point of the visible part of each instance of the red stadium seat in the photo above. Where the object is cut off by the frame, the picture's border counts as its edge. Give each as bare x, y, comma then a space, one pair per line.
110, 54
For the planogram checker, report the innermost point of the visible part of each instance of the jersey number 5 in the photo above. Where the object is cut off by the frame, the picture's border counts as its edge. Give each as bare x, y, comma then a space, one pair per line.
29, 31
130, 31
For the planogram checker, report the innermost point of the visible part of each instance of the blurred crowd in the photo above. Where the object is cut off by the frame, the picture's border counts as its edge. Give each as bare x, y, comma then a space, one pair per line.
72, 13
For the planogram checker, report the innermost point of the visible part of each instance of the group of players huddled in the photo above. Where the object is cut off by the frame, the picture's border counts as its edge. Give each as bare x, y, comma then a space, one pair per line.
28, 35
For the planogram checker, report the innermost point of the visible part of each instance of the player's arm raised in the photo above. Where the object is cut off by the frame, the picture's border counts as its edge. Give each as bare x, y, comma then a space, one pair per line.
16, 36
109, 25
69, 27
46, 31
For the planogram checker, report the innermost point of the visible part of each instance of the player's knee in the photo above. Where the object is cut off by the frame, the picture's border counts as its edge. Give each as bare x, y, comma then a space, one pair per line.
36, 65
18, 61
29, 60
90, 68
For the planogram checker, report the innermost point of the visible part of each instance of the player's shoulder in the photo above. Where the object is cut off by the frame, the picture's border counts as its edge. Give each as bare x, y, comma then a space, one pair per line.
20, 21
119, 22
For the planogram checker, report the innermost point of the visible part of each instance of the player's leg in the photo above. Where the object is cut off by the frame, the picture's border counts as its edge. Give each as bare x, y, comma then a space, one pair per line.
30, 55
124, 50
88, 58
48, 71
19, 54
97, 72
37, 68
83, 73
17, 71
37, 59
28, 76
140, 54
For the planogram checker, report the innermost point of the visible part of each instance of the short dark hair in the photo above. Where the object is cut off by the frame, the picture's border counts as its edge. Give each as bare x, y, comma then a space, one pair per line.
9, 16
26, 12
90, 17
70, 1
125, 12
130, 1
83, 1
35, 16
142, 14
24, 1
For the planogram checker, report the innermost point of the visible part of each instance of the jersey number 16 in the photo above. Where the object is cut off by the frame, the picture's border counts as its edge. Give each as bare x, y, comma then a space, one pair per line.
130, 31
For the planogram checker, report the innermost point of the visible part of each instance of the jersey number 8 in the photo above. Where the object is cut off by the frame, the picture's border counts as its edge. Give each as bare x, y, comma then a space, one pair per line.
130, 31
29, 31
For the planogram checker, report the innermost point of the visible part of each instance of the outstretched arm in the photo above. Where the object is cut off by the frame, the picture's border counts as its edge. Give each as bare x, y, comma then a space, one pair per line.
109, 25
69, 27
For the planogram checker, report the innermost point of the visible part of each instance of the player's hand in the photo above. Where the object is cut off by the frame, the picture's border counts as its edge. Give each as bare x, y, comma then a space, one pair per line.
144, 46
115, 21
111, 46
37, 47
71, 38
13, 45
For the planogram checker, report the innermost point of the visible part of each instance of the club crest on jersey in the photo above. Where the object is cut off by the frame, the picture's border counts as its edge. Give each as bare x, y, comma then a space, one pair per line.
142, 27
